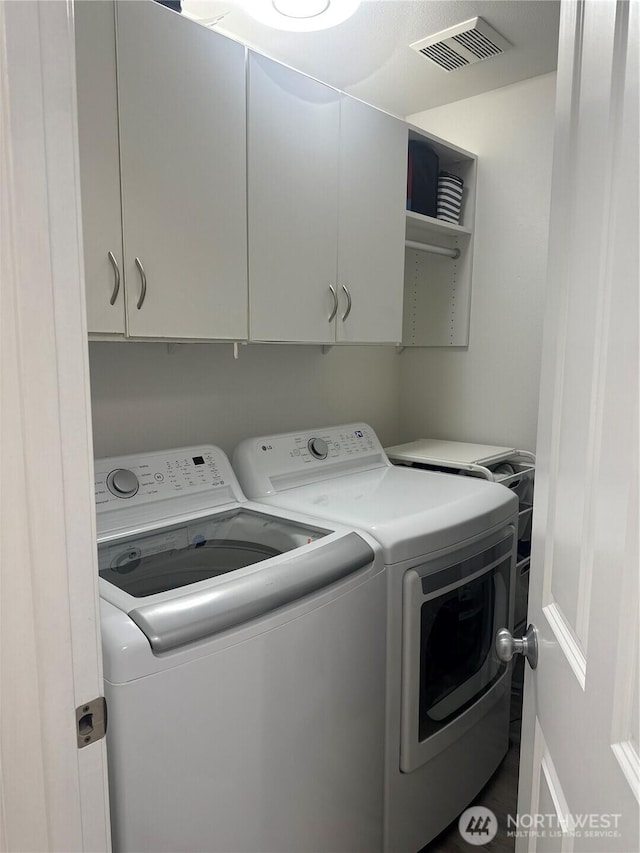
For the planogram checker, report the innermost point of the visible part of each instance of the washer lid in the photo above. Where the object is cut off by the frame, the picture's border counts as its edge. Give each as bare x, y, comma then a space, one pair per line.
197, 550
412, 513
171, 619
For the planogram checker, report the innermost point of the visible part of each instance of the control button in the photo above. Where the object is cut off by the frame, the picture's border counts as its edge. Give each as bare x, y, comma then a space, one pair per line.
122, 483
318, 448
158, 477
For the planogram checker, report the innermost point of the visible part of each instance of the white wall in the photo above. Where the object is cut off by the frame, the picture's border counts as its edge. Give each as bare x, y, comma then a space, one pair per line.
488, 392
146, 397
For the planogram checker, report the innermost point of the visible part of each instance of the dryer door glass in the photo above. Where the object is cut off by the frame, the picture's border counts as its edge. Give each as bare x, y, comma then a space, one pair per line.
451, 674
457, 661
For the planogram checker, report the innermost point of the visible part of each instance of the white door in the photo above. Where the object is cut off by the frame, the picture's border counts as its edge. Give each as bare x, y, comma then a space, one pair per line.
53, 792
293, 136
371, 224
181, 91
580, 766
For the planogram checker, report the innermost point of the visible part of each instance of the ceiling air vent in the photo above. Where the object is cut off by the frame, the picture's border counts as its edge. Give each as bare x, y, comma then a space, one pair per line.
464, 44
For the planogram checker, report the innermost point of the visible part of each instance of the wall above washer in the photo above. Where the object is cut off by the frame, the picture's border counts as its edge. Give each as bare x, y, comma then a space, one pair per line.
154, 396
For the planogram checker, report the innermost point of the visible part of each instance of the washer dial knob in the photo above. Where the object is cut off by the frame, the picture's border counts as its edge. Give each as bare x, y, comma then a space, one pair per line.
318, 448
122, 483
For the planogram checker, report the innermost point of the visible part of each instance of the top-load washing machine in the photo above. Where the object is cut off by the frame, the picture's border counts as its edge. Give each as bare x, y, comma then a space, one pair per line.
449, 545
244, 665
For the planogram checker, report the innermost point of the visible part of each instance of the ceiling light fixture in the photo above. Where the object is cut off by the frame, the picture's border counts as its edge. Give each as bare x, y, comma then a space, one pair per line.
301, 8
301, 15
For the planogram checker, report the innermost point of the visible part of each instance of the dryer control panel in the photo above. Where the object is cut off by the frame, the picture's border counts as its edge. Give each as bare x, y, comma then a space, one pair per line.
269, 464
186, 479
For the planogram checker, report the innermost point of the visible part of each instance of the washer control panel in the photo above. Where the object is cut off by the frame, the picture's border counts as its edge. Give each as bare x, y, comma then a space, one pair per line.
189, 477
271, 463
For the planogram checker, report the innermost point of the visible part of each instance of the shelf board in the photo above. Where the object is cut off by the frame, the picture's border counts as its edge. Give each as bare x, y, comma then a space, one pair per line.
418, 224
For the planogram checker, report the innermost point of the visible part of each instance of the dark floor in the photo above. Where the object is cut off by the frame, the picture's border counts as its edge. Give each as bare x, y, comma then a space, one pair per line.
500, 794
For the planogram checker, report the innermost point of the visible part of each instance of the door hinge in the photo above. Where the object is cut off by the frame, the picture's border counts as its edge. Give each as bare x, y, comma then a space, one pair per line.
91, 721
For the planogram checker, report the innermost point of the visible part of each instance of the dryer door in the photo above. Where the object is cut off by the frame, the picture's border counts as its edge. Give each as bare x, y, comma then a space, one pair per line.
451, 674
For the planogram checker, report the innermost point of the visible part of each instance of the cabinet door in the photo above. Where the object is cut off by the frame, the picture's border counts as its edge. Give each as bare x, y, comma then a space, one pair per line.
293, 202
373, 168
181, 94
99, 164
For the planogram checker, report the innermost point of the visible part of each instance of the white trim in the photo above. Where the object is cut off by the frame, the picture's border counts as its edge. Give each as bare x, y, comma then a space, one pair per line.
539, 747
624, 740
559, 800
567, 641
628, 646
53, 796
629, 762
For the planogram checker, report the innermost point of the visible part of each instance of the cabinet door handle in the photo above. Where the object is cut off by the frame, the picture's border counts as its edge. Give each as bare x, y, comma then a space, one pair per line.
348, 295
116, 278
334, 310
143, 282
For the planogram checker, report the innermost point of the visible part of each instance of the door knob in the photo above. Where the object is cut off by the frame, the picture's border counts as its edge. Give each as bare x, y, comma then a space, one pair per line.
507, 646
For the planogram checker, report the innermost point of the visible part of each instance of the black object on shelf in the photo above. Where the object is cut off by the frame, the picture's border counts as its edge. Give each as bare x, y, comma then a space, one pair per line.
422, 178
176, 5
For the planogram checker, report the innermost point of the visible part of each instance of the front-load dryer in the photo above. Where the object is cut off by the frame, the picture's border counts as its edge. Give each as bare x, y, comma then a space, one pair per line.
244, 664
449, 545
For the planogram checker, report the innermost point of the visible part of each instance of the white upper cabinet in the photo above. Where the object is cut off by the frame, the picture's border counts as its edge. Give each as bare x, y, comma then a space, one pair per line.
181, 199
293, 139
99, 165
327, 180
182, 117
373, 178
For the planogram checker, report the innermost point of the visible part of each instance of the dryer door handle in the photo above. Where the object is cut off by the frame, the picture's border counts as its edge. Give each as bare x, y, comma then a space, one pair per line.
196, 615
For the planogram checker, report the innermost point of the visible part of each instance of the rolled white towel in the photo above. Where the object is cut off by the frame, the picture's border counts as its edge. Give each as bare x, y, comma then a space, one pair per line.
449, 203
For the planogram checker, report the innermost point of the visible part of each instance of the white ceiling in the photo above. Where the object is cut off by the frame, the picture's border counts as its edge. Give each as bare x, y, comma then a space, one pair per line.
369, 55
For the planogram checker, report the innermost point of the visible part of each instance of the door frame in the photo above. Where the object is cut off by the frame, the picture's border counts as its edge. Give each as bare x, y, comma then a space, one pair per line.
53, 793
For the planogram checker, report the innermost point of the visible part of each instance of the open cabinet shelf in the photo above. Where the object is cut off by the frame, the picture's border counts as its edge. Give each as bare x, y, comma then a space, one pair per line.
437, 289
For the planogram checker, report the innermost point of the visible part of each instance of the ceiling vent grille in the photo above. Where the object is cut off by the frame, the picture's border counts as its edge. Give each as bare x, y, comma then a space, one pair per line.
464, 44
